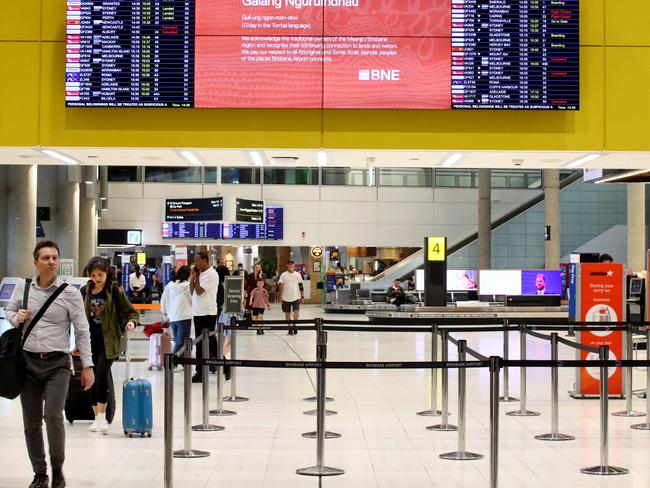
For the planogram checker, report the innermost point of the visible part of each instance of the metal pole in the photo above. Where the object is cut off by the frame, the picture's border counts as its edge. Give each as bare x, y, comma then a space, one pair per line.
320, 469
495, 365
433, 411
506, 373
219, 411
646, 425
169, 420
523, 411
555, 397
187, 451
233, 370
318, 322
444, 424
604, 469
461, 454
319, 330
206, 426
629, 354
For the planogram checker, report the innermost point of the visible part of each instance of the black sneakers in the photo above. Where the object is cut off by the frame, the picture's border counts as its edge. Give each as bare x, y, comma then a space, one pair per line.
41, 481
58, 481
197, 379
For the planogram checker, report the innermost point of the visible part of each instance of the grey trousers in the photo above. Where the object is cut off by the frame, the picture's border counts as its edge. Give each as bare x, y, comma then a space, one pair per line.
47, 384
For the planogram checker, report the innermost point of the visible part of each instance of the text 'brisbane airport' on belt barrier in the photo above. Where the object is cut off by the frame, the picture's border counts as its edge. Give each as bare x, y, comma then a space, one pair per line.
542, 330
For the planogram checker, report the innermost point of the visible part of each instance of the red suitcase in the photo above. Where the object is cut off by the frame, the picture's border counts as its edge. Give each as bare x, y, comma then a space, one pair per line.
159, 345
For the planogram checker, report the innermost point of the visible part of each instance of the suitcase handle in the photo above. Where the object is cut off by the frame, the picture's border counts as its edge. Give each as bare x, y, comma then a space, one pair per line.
128, 356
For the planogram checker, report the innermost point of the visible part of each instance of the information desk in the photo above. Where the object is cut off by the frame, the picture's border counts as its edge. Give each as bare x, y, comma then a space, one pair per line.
472, 315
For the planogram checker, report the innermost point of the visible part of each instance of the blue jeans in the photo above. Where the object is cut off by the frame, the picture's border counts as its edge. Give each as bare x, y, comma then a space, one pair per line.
181, 330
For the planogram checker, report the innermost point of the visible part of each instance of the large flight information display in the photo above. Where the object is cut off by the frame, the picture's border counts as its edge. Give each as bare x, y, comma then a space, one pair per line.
368, 54
272, 229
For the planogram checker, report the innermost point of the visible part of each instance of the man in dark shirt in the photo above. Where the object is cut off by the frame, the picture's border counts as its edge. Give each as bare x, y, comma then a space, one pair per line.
395, 294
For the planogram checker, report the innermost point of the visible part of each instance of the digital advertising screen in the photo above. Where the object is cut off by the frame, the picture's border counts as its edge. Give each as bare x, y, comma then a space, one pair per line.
462, 279
500, 282
364, 54
541, 282
7, 291
194, 209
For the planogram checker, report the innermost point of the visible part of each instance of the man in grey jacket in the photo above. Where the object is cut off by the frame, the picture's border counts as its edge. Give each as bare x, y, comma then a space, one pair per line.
47, 358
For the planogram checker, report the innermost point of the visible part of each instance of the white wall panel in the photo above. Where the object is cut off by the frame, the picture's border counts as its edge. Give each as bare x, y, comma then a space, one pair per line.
290, 192
175, 190
348, 193
348, 212
125, 190
404, 194
405, 213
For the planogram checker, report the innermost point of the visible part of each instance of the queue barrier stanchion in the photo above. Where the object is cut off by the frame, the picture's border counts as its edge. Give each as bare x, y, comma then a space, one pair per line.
444, 425
495, 366
168, 470
187, 451
604, 469
554, 435
506, 398
646, 425
205, 425
433, 411
233, 369
461, 454
320, 469
319, 328
523, 410
220, 411
629, 394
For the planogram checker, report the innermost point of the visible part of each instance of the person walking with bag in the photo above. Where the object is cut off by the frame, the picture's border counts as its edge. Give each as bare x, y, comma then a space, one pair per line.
47, 358
176, 307
110, 314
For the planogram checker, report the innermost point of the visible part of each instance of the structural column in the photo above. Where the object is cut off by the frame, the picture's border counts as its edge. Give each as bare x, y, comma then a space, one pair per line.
68, 213
87, 224
551, 183
636, 245
21, 219
3, 221
484, 219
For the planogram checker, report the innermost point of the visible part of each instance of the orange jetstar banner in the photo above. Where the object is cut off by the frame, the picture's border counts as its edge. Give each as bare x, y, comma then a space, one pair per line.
601, 300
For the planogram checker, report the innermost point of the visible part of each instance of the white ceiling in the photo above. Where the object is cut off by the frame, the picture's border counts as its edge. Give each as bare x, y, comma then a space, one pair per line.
349, 158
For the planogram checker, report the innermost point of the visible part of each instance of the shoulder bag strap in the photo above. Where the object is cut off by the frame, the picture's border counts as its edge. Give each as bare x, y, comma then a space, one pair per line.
28, 284
42, 311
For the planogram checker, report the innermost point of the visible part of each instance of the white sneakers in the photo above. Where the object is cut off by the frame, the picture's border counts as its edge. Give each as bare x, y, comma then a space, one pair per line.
100, 424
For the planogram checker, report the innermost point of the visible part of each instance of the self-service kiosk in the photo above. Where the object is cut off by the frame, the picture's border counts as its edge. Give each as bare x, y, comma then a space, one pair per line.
635, 299
7, 290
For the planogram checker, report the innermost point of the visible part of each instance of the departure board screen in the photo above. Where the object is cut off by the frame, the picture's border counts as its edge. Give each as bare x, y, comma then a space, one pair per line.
273, 229
365, 54
194, 209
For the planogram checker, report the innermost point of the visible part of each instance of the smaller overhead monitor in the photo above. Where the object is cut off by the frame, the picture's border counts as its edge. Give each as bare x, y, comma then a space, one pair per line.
249, 211
194, 209
134, 237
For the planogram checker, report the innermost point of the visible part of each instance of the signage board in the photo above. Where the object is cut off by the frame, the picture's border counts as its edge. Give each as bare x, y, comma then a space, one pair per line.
436, 249
234, 289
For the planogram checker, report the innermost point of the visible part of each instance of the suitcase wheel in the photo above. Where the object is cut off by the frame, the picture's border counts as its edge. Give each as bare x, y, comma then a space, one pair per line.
148, 434
150, 368
130, 434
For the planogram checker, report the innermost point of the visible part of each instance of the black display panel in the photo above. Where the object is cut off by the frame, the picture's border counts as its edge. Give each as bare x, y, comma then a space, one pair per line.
273, 229
130, 53
251, 211
194, 209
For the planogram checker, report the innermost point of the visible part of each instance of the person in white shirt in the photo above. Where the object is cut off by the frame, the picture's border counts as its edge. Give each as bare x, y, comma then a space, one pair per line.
176, 306
204, 285
540, 284
137, 283
291, 293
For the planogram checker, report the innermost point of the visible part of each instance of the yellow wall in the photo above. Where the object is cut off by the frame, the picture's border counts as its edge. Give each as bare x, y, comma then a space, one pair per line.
615, 74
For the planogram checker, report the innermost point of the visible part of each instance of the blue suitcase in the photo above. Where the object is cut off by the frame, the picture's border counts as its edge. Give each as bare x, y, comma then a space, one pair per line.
137, 405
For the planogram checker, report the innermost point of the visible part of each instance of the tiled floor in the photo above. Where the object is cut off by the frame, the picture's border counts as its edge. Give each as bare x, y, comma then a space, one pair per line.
384, 443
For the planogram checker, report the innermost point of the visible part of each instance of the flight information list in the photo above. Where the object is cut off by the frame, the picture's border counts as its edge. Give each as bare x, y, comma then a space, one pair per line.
273, 229
515, 54
130, 53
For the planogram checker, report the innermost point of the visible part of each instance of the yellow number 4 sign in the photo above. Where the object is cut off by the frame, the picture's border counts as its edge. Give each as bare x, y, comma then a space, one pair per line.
436, 249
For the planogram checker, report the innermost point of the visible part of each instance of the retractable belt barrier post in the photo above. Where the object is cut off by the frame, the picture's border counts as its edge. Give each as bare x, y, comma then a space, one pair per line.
495, 366
433, 411
461, 454
554, 435
320, 469
604, 469
220, 411
168, 471
506, 373
187, 451
319, 328
233, 369
646, 425
205, 425
629, 394
523, 411
444, 424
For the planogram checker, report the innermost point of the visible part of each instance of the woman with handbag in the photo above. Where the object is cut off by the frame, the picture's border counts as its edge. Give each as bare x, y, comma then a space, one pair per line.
109, 314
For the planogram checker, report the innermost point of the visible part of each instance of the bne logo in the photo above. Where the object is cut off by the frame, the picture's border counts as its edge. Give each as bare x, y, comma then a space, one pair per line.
379, 75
